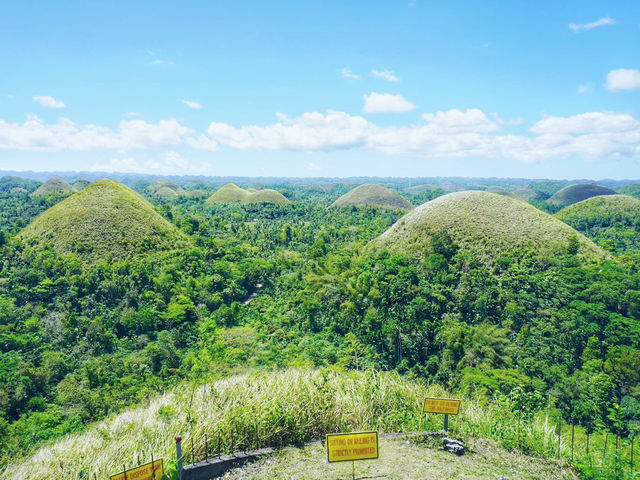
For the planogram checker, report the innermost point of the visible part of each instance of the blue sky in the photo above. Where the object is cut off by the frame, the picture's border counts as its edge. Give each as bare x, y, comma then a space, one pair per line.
389, 88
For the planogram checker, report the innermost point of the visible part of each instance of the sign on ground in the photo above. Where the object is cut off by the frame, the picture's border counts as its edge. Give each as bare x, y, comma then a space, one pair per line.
346, 447
149, 471
447, 406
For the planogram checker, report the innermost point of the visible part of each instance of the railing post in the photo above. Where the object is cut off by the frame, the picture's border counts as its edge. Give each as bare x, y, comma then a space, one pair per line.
179, 456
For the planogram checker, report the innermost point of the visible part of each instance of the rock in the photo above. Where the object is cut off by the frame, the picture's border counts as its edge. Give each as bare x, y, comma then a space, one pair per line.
453, 446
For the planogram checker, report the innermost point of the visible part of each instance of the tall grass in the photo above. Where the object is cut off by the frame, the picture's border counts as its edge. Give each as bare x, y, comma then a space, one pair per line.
270, 409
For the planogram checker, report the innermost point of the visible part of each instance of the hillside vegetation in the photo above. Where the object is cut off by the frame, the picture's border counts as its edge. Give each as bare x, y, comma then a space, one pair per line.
488, 224
576, 193
373, 196
54, 186
231, 193
613, 221
269, 409
106, 219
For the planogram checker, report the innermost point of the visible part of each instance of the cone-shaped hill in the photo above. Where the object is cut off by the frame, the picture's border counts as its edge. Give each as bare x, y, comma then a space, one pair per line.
80, 183
56, 186
487, 224
166, 190
371, 195
105, 219
231, 193
576, 193
602, 211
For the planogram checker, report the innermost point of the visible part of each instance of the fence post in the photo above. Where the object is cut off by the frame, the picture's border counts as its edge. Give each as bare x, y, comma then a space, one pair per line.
573, 437
559, 434
179, 456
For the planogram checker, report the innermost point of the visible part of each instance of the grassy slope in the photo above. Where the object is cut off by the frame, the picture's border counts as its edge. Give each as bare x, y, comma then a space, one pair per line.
373, 196
576, 193
632, 189
157, 187
402, 459
231, 193
602, 210
488, 224
107, 217
284, 407
53, 185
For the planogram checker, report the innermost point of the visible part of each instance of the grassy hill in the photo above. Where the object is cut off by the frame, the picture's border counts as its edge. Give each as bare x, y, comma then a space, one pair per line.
231, 193
370, 195
632, 189
487, 224
55, 186
613, 221
166, 190
427, 187
576, 193
525, 194
284, 407
80, 183
107, 218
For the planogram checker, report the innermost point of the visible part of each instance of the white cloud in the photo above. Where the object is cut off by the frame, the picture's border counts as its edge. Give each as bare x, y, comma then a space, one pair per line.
455, 133
48, 101
347, 73
309, 132
588, 26
157, 62
623, 79
585, 88
191, 104
449, 134
591, 122
171, 164
313, 167
65, 135
386, 74
386, 103
457, 121
132, 114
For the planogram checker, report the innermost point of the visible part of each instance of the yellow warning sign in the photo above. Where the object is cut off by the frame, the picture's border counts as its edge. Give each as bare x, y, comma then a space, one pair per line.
345, 447
447, 406
149, 471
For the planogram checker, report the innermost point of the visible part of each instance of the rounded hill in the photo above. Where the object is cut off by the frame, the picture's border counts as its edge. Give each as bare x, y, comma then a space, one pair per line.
576, 193
106, 219
487, 224
232, 193
166, 190
371, 195
53, 186
602, 211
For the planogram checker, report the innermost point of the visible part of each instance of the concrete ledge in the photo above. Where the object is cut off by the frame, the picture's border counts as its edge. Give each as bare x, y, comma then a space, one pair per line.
216, 467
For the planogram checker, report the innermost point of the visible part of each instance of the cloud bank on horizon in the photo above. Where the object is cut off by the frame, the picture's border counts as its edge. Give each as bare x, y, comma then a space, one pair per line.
422, 94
